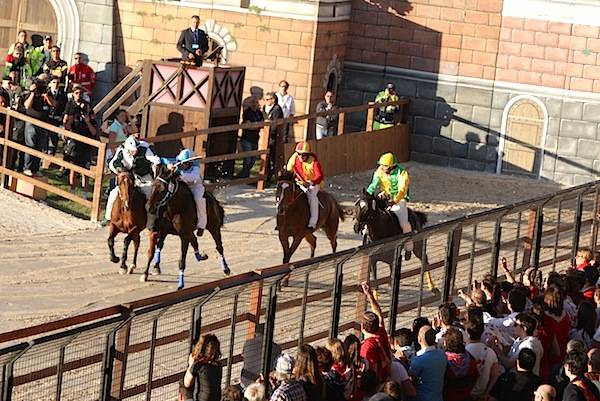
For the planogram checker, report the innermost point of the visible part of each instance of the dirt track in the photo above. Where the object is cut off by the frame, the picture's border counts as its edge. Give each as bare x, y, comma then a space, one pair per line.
56, 265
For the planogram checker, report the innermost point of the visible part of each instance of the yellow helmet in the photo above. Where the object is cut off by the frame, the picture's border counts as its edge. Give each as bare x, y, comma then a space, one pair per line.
387, 159
303, 147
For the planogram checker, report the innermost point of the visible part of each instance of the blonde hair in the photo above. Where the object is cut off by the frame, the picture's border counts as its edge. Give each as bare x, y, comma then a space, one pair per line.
585, 253
336, 348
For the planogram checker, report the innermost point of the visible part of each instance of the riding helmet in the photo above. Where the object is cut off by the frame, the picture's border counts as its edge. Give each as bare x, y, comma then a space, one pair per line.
131, 143
303, 147
184, 155
387, 159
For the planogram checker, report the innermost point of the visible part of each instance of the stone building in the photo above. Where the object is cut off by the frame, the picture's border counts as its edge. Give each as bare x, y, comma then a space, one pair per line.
495, 85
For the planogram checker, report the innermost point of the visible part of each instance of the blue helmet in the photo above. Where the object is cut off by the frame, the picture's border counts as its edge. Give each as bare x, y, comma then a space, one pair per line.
184, 155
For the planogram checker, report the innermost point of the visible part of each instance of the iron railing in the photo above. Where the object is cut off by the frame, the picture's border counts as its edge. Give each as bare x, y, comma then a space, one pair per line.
139, 351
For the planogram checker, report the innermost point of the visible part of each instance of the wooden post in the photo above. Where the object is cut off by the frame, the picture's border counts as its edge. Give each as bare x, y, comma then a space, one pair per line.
370, 113
97, 195
528, 240
256, 292
263, 144
5, 151
341, 123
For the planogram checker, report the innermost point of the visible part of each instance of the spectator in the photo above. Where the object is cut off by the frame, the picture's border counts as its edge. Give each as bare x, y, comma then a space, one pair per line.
288, 106
583, 258
544, 392
385, 117
306, 371
428, 367
525, 332
591, 278
287, 388
273, 112
185, 394
56, 111
14, 66
487, 361
82, 74
251, 354
593, 373
446, 318
580, 388
334, 384
375, 348
232, 393
21, 40
56, 66
193, 42
80, 119
389, 391
557, 323
461, 371
502, 327
355, 382
204, 369
327, 125
37, 105
560, 380
4, 104
399, 375
46, 48
493, 295
250, 137
402, 346
518, 385
586, 325
338, 353
255, 392
416, 326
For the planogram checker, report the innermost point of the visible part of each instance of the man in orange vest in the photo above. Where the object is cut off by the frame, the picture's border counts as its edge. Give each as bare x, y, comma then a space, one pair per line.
309, 176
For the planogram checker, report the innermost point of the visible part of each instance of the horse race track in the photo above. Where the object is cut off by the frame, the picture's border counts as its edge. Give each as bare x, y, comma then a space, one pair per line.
55, 265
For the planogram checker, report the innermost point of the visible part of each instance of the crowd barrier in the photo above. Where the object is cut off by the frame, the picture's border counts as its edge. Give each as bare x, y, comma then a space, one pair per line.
139, 351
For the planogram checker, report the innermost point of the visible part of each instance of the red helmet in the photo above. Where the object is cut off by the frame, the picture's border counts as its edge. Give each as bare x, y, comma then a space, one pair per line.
303, 147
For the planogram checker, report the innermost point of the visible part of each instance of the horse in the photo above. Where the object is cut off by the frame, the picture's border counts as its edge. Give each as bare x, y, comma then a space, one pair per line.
293, 215
128, 216
173, 204
371, 212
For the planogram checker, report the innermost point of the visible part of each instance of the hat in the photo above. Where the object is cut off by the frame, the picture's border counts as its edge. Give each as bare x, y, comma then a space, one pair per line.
390, 85
47, 37
285, 364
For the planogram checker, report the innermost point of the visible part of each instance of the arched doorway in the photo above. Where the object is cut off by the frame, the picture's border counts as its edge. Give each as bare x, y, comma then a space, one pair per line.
37, 17
524, 125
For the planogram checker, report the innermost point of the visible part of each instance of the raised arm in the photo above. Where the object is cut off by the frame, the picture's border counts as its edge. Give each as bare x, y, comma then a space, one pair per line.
373, 302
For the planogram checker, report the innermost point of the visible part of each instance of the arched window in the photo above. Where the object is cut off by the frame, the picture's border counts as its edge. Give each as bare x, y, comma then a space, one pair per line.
37, 17
524, 125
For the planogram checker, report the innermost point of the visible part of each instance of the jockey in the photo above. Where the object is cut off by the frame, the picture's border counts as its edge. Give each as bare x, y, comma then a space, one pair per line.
189, 172
135, 156
309, 176
393, 181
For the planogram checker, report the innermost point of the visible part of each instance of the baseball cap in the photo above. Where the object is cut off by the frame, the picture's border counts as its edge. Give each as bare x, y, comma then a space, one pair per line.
390, 85
285, 363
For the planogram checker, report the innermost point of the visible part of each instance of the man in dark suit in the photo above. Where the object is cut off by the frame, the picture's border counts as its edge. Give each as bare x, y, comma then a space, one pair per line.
273, 111
193, 42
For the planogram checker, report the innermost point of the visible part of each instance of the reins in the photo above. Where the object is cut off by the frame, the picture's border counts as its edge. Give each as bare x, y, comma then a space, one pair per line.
170, 191
293, 184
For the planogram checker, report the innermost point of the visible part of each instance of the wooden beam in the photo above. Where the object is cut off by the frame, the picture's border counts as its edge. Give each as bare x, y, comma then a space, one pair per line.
115, 91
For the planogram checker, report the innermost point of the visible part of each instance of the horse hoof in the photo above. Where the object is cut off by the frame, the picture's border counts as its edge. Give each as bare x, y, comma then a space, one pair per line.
155, 271
115, 259
226, 272
407, 255
143, 278
200, 256
131, 269
122, 271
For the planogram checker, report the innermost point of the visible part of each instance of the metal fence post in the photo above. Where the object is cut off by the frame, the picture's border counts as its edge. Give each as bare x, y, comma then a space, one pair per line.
539, 226
396, 270
595, 215
496, 249
267, 348
107, 367
337, 298
452, 249
151, 359
577, 228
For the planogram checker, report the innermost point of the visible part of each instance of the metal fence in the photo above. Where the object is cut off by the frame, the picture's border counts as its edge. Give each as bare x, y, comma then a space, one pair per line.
139, 351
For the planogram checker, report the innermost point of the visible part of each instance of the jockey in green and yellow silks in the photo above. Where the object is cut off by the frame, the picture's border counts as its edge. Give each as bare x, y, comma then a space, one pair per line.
385, 117
393, 183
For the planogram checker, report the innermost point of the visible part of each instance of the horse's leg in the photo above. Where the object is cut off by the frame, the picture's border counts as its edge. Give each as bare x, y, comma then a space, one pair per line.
136, 247
216, 234
418, 250
159, 246
185, 243
312, 241
112, 233
152, 238
295, 244
126, 242
331, 233
285, 244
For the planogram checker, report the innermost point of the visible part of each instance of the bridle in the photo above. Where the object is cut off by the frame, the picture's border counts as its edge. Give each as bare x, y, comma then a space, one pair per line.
124, 202
172, 188
284, 185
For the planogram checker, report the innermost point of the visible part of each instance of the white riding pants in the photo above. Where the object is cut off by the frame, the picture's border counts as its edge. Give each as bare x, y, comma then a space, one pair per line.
143, 183
198, 191
313, 205
401, 211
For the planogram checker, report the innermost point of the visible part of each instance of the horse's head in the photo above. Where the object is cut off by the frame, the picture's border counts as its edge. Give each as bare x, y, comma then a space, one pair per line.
161, 187
126, 184
364, 208
287, 191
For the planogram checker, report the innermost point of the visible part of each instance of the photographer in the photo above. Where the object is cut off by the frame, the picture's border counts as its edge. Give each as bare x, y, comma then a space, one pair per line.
56, 112
37, 105
80, 119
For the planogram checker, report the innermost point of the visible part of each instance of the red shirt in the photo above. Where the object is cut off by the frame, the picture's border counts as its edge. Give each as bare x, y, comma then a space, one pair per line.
309, 170
583, 265
376, 351
559, 327
84, 75
587, 293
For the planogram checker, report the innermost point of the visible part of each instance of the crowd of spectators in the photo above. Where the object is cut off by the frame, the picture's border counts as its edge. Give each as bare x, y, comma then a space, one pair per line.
518, 339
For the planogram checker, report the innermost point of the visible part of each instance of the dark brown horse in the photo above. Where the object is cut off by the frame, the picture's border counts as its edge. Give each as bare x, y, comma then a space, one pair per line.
173, 204
293, 214
128, 216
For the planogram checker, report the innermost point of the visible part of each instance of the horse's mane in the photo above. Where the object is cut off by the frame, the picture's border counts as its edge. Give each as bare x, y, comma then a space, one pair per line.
285, 175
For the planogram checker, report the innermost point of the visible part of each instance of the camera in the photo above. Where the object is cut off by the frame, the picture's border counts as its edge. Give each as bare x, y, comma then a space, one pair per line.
40, 87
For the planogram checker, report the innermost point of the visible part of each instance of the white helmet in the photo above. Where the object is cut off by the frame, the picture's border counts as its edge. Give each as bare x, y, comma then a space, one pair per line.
131, 143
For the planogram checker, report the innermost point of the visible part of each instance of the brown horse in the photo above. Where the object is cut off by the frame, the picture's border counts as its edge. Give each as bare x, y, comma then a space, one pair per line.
293, 214
173, 204
128, 216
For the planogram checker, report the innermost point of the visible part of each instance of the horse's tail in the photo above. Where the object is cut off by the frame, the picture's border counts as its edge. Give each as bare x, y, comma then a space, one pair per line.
421, 217
220, 210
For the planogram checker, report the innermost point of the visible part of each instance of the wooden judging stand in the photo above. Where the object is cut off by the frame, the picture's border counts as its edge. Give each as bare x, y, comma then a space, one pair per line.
179, 98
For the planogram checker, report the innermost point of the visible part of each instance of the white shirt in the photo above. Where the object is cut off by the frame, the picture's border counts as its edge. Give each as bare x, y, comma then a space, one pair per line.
191, 176
534, 344
571, 309
398, 372
503, 328
486, 358
286, 102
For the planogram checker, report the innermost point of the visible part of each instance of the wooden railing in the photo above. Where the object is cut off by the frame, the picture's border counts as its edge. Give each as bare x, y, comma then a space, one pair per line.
118, 96
94, 172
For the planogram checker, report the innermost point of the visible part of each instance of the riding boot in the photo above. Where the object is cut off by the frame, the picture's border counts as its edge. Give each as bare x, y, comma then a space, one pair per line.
199, 232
